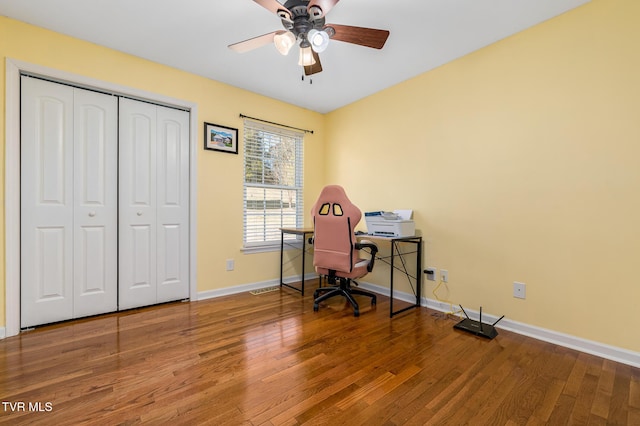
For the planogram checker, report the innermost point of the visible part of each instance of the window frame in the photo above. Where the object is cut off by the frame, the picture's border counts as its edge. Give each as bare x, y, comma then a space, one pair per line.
258, 139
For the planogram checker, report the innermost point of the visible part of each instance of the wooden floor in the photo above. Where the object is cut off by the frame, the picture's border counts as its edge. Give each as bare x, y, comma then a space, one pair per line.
268, 359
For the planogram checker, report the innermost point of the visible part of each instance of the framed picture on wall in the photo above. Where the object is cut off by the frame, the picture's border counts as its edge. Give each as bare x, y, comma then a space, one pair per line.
220, 138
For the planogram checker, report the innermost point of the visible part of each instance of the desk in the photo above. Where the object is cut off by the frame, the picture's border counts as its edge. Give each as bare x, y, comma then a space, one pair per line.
296, 231
396, 244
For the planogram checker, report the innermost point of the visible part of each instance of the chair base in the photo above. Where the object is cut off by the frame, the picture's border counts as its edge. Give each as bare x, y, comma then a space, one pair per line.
345, 290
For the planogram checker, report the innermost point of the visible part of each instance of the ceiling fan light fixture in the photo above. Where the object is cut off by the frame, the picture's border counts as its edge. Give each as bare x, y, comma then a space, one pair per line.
306, 57
319, 40
284, 41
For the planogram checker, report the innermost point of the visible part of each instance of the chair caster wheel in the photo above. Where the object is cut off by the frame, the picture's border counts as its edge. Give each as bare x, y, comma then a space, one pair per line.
356, 313
315, 308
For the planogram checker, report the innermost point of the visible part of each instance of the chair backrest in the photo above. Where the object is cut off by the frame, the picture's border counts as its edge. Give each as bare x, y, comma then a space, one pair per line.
334, 220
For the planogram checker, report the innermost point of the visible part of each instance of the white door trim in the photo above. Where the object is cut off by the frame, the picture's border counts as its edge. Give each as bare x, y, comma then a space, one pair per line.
14, 68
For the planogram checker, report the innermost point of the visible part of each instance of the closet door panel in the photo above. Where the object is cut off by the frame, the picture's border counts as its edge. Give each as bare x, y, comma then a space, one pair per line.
137, 206
173, 204
46, 202
96, 203
104, 203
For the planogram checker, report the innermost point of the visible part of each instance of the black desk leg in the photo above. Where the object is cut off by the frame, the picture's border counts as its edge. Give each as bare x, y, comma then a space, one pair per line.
418, 277
303, 264
419, 274
281, 255
393, 246
282, 283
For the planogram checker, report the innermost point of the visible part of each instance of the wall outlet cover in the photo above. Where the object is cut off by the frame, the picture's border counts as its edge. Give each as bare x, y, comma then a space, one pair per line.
519, 290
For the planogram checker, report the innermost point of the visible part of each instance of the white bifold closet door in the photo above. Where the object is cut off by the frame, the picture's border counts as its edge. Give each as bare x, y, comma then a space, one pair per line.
153, 204
68, 202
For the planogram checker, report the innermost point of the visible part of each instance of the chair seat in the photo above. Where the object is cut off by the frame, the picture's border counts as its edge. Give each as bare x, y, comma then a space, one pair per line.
359, 270
361, 263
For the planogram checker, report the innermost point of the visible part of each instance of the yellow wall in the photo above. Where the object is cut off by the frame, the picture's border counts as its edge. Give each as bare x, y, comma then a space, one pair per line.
220, 176
522, 163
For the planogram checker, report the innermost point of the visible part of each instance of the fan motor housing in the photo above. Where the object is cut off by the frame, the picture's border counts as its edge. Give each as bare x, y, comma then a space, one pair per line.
301, 22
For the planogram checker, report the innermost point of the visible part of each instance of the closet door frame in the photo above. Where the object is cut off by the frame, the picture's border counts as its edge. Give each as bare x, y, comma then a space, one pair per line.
14, 69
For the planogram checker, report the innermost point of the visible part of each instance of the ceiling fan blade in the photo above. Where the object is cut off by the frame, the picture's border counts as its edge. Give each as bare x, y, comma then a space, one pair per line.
274, 7
368, 37
253, 43
315, 68
324, 5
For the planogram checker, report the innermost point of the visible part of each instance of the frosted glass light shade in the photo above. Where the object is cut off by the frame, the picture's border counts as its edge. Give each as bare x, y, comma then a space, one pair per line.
319, 40
306, 57
284, 41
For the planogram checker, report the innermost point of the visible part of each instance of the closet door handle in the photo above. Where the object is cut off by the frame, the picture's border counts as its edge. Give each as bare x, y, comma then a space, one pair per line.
139, 213
92, 214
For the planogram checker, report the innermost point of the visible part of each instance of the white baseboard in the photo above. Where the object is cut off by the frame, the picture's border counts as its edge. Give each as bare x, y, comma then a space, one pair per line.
602, 350
3, 333
227, 291
210, 294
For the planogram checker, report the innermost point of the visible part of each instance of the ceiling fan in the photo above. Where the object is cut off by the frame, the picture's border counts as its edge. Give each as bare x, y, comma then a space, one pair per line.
304, 26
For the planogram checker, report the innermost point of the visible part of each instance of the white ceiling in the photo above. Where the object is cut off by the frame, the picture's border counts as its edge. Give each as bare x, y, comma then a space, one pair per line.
193, 35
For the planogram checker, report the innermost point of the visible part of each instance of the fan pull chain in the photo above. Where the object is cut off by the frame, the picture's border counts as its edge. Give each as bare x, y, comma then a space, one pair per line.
310, 80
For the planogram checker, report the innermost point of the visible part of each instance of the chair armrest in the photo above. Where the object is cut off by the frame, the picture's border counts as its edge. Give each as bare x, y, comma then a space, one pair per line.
373, 248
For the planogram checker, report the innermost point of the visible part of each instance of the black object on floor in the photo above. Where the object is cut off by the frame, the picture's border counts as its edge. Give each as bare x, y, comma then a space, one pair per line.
477, 327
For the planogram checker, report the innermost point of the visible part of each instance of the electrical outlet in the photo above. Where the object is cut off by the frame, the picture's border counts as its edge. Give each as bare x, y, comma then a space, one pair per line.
519, 290
230, 264
444, 275
432, 273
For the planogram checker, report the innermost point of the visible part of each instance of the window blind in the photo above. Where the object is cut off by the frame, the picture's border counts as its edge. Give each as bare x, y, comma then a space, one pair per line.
273, 182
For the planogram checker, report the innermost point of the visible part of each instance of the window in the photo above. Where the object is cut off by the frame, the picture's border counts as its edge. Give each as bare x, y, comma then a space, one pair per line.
272, 183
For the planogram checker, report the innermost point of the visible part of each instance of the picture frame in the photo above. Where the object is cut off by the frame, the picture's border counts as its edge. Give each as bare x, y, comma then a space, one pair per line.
220, 138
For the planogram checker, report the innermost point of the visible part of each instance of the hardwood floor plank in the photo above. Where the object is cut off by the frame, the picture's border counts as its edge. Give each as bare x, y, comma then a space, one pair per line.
574, 382
270, 360
562, 411
619, 405
584, 400
634, 388
542, 414
602, 398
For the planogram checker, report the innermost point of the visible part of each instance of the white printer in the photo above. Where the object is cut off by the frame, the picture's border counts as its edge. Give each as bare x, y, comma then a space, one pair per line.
390, 224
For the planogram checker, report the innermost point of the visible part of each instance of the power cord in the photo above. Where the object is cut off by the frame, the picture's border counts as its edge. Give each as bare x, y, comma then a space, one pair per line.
453, 311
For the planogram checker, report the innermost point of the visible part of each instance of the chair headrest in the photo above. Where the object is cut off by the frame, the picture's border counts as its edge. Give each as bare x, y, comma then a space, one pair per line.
335, 199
